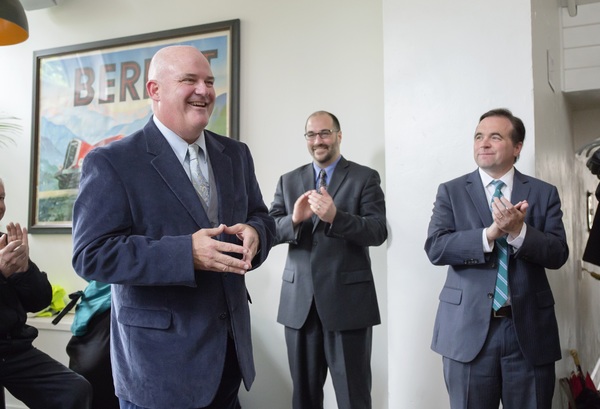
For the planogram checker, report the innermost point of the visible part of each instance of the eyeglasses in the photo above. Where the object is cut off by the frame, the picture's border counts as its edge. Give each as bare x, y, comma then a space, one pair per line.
324, 134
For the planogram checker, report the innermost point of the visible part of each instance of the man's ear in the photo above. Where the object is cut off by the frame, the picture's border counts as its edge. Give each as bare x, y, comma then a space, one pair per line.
517, 150
152, 88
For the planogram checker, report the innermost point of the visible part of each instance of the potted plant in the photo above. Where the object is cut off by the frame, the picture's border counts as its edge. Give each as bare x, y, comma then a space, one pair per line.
8, 129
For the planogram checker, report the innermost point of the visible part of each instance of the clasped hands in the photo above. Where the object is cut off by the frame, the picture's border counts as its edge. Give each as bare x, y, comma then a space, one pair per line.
315, 202
14, 250
212, 255
508, 218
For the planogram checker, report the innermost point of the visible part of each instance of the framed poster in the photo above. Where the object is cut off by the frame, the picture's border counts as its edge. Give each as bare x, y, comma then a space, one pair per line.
89, 95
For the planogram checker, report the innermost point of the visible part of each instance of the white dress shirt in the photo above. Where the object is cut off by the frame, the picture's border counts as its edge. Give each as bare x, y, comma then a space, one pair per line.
507, 178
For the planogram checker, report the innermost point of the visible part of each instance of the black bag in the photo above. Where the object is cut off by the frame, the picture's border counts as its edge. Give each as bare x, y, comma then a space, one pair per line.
89, 356
591, 253
593, 163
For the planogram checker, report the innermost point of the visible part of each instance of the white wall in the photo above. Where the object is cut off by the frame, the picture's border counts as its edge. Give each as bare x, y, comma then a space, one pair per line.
555, 163
296, 57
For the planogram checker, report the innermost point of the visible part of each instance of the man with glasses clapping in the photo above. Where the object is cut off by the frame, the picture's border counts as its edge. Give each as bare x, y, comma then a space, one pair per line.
330, 212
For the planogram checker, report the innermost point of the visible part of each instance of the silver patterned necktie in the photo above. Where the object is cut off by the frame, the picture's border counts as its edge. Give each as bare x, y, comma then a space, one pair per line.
501, 291
322, 180
198, 180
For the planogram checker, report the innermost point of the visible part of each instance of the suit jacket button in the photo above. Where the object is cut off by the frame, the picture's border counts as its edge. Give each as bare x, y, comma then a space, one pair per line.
490, 295
223, 315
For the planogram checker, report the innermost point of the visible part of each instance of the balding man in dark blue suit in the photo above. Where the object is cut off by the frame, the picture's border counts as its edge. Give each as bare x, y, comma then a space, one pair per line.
180, 330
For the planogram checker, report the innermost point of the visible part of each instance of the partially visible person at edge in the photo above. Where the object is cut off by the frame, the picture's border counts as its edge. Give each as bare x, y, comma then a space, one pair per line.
175, 255
89, 347
29, 374
495, 326
329, 212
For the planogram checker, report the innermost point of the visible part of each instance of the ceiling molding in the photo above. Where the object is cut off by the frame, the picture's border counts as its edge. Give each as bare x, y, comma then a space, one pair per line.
38, 4
572, 5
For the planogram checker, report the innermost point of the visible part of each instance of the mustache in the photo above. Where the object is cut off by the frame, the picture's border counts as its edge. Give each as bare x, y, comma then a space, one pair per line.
320, 146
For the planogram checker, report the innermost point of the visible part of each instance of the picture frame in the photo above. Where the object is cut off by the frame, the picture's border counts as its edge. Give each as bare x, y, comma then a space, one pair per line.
89, 95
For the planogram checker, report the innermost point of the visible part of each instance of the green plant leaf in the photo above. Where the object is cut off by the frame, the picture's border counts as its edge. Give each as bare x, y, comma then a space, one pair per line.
9, 129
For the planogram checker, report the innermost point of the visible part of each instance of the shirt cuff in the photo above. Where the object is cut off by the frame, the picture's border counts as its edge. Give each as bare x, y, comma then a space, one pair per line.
487, 247
517, 242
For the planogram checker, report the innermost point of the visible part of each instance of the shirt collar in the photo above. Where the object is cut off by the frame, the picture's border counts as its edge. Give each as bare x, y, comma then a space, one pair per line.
329, 169
507, 178
178, 145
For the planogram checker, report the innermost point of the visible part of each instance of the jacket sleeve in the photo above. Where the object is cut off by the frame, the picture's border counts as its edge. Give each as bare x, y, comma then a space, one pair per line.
106, 245
368, 226
453, 239
258, 215
545, 242
32, 287
281, 211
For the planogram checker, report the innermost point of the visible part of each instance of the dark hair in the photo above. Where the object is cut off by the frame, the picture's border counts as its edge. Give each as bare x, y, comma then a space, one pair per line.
336, 123
518, 133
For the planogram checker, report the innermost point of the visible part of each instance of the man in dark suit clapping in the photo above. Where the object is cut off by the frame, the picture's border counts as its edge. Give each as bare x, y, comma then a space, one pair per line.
329, 212
497, 230
29, 374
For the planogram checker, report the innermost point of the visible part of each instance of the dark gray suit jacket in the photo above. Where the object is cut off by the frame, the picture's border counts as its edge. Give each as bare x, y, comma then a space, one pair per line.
460, 214
132, 227
331, 262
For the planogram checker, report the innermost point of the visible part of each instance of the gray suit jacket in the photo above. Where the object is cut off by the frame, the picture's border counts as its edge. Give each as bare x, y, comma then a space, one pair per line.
330, 262
460, 214
132, 227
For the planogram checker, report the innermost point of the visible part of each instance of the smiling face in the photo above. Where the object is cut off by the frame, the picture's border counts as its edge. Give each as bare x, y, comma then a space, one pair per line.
181, 85
493, 148
324, 151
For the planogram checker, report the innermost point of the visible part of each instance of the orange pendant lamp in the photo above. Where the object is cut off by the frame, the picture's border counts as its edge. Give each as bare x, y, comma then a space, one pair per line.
13, 23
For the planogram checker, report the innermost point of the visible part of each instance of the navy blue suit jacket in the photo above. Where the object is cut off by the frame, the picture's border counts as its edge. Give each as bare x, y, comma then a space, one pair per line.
460, 214
132, 227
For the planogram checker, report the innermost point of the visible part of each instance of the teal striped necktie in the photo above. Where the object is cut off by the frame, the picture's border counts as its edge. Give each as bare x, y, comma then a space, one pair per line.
501, 292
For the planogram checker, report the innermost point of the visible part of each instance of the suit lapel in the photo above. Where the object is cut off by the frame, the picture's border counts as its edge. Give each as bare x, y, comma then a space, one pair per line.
521, 187
476, 192
474, 187
223, 174
337, 179
307, 177
167, 165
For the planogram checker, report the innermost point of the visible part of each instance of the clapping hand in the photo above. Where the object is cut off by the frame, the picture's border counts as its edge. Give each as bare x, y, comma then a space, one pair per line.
14, 250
